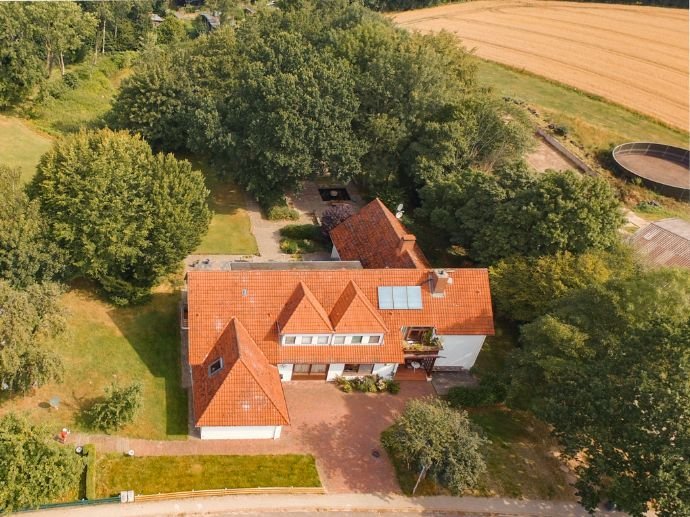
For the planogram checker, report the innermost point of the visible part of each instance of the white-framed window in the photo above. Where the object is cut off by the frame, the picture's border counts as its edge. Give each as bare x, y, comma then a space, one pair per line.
339, 340
374, 340
323, 340
289, 340
306, 340
356, 340
215, 367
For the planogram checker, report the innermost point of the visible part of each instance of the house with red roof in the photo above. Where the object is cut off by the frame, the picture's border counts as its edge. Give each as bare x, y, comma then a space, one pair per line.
382, 311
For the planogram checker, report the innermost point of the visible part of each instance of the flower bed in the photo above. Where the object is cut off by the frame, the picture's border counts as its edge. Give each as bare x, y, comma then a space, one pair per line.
368, 384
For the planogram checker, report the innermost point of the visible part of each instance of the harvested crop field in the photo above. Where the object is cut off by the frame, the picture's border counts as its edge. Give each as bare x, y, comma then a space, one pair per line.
633, 55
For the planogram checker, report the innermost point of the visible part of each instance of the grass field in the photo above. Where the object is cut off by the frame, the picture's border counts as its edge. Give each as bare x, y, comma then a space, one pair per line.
86, 104
634, 55
164, 474
593, 122
230, 229
21, 146
106, 344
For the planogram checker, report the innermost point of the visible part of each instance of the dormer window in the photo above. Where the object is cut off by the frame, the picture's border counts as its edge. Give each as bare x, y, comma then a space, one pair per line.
215, 367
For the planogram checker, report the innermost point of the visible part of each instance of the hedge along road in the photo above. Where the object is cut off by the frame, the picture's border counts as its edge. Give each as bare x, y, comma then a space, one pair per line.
633, 55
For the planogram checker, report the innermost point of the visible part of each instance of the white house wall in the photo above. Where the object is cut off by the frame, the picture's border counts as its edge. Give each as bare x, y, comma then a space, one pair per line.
334, 254
459, 351
335, 370
386, 370
285, 372
269, 432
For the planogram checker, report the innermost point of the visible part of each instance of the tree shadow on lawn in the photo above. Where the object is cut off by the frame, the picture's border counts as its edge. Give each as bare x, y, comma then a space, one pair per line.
152, 329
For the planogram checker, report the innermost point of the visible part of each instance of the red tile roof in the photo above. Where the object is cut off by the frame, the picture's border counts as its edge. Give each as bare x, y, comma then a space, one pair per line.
258, 298
303, 314
247, 391
353, 313
377, 239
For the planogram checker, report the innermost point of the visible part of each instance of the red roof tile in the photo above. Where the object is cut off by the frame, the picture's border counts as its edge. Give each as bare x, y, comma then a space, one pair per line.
247, 391
303, 314
258, 298
353, 313
376, 238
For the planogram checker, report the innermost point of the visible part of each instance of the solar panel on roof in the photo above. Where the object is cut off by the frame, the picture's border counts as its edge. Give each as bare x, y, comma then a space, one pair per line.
385, 297
414, 297
400, 297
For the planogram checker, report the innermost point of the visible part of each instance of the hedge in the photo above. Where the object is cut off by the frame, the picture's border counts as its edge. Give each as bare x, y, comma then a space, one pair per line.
89, 452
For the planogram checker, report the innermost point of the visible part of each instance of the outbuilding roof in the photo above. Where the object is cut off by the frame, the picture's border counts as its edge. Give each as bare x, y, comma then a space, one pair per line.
376, 238
665, 242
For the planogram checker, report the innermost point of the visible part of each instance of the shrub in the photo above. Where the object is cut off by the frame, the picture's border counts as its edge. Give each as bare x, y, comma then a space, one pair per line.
333, 216
89, 452
71, 80
117, 409
281, 213
368, 384
492, 389
302, 231
434, 439
289, 246
301, 238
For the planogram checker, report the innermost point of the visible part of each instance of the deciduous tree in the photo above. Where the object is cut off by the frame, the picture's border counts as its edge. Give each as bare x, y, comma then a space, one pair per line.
124, 216
433, 439
34, 469
608, 368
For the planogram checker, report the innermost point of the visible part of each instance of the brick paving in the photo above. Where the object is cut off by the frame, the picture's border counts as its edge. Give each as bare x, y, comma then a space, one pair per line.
340, 429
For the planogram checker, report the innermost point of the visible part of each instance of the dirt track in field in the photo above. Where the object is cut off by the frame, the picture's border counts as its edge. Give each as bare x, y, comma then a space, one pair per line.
635, 56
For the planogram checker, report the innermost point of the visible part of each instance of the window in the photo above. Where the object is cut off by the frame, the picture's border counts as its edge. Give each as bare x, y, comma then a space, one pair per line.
374, 339
301, 368
365, 369
215, 367
416, 334
322, 340
339, 340
351, 369
356, 340
306, 340
289, 340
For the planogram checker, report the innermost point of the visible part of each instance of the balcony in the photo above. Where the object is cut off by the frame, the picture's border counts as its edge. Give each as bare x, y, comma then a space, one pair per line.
421, 341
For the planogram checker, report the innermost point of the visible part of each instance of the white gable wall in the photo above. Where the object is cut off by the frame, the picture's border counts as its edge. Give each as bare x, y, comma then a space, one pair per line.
267, 432
459, 351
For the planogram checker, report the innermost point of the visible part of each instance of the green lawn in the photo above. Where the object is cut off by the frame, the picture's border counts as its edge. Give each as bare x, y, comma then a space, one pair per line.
163, 474
593, 121
520, 457
85, 105
21, 146
107, 344
496, 348
230, 230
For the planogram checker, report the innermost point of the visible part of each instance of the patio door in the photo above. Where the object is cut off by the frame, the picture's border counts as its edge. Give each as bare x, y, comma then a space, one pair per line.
309, 372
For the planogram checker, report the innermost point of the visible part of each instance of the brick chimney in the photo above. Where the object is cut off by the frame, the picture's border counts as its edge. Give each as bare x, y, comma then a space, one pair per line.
439, 281
407, 242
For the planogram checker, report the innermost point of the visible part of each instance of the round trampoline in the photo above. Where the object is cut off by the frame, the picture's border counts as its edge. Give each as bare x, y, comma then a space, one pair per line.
663, 168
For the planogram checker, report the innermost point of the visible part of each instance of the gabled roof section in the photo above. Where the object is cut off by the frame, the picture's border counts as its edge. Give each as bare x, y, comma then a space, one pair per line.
376, 238
664, 243
304, 314
246, 391
353, 313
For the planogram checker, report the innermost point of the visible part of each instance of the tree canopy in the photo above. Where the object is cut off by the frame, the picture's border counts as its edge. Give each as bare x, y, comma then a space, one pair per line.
26, 256
323, 88
29, 319
608, 368
514, 211
433, 438
524, 288
124, 216
34, 469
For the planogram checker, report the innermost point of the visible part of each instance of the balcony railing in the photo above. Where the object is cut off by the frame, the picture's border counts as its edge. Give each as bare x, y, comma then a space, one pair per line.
421, 348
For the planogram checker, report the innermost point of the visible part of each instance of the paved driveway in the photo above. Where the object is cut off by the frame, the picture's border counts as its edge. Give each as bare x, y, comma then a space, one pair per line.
340, 429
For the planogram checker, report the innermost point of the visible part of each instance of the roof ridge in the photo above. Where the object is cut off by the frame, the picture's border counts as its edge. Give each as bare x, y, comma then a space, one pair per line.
241, 357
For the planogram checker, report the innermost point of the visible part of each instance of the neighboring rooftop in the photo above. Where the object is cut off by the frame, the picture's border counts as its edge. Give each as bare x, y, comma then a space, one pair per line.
376, 238
665, 242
